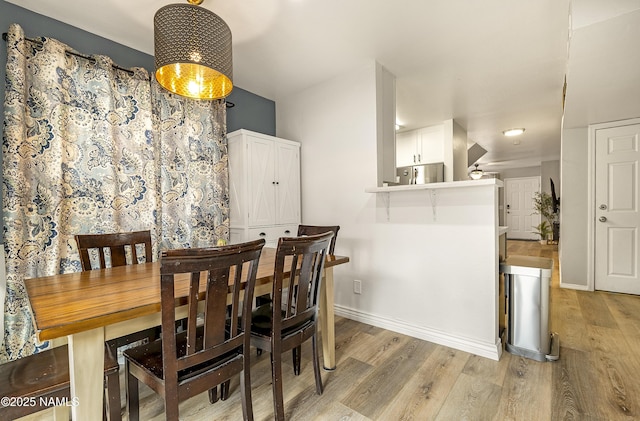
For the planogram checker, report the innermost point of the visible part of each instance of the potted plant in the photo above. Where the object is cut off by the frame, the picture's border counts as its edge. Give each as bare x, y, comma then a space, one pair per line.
543, 230
543, 204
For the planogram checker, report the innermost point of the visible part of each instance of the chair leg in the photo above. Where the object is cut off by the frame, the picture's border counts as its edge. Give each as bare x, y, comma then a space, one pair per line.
276, 385
245, 388
213, 394
296, 353
133, 400
113, 397
224, 390
171, 412
316, 363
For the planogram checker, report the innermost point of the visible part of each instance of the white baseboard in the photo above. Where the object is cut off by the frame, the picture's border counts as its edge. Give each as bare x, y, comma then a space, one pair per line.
483, 349
575, 286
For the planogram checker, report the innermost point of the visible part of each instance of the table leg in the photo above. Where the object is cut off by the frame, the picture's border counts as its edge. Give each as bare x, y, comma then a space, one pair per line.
86, 371
327, 324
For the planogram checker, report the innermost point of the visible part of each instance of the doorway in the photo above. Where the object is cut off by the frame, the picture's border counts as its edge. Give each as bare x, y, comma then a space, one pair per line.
518, 203
616, 208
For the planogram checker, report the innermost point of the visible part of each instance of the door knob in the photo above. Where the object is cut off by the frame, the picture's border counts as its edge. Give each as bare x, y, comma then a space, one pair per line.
602, 219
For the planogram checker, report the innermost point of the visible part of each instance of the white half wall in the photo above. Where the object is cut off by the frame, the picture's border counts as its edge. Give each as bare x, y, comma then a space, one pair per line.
428, 263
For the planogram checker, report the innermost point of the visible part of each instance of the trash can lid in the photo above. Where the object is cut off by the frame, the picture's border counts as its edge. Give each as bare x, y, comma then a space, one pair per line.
520, 264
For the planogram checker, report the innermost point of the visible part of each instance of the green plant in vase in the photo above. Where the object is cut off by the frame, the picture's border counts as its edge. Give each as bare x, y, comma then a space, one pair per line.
543, 229
543, 205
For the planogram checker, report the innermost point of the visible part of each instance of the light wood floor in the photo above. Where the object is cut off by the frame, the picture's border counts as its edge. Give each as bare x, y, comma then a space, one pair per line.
382, 375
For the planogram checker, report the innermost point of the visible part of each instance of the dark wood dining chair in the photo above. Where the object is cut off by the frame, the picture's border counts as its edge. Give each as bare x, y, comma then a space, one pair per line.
122, 249
292, 317
185, 364
33, 383
320, 229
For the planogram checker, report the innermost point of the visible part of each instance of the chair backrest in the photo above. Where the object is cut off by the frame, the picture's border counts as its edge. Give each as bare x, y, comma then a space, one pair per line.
299, 262
318, 229
227, 270
118, 245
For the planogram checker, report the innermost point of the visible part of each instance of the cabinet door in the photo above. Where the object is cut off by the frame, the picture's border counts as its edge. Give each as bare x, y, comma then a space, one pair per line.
405, 148
287, 183
262, 181
430, 144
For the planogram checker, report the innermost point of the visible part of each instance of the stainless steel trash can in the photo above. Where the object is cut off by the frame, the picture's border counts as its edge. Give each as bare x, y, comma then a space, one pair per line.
527, 287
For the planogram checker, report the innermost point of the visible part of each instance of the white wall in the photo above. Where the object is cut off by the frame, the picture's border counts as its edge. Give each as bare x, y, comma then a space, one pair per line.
386, 124
458, 148
429, 274
573, 246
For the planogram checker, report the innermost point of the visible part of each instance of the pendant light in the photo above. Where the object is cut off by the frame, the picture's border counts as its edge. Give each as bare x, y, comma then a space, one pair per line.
193, 51
477, 173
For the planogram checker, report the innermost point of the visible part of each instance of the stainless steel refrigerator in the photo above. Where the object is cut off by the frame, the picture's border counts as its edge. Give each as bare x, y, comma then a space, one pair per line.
420, 174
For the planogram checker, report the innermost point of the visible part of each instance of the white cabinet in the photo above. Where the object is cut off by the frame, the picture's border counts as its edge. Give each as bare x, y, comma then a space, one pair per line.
420, 146
264, 186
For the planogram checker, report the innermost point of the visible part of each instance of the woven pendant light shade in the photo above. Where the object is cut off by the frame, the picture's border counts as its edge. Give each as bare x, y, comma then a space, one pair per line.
193, 52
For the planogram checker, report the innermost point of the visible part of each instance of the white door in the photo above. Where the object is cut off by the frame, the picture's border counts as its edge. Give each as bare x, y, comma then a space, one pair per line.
617, 247
518, 203
262, 181
287, 183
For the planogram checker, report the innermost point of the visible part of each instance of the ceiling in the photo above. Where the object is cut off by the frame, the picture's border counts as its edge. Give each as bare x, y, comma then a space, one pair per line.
490, 65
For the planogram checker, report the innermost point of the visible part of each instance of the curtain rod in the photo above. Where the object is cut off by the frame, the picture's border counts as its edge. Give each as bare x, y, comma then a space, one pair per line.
92, 60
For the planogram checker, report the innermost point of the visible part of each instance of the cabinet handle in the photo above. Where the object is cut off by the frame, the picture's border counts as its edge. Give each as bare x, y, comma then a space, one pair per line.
287, 232
419, 159
414, 159
262, 234
273, 182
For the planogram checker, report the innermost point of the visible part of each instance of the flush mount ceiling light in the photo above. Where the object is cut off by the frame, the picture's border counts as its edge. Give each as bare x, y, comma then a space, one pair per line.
513, 132
476, 173
192, 51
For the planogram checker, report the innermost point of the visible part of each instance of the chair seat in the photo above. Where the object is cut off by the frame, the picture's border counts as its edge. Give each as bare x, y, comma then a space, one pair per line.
42, 375
149, 357
261, 319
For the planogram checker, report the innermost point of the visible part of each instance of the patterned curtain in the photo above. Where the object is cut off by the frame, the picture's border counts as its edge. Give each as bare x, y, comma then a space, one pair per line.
91, 149
194, 179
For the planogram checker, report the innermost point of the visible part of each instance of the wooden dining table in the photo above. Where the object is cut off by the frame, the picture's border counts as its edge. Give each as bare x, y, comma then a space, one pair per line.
88, 308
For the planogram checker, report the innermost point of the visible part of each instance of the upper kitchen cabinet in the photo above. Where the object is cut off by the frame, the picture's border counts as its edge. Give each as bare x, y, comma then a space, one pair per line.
420, 146
264, 186
446, 143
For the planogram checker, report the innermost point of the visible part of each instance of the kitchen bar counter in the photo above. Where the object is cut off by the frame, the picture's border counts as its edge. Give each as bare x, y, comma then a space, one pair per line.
430, 186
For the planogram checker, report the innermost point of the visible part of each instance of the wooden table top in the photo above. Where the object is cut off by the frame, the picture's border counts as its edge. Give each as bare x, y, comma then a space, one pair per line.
70, 303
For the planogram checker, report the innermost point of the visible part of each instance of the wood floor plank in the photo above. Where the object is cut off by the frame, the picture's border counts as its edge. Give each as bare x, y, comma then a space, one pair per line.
574, 397
376, 349
425, 392
309, 405
378, 389
471, 398
489, 370
617, 373
594, 309
567, 320
526, 391
625, 309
